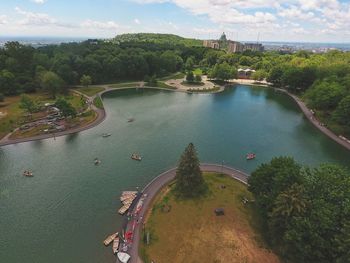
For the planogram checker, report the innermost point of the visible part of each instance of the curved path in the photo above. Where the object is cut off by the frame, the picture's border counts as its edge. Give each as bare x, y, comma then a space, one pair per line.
153, 188
310, 116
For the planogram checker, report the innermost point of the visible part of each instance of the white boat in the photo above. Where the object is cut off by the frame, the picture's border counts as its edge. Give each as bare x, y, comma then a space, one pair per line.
105, 135
115, 246
123, 257
97, 161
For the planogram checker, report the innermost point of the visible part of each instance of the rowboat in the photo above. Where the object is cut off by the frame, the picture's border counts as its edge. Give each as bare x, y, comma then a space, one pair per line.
251, 156
131, 119
97, 161
115, 245
123, 257
136, 157
28, 173
110, 239
105, 135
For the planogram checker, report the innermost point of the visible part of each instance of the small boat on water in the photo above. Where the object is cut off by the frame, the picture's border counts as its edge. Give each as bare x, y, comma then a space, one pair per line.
123, 257
115, 246
97, 161
105, 135
251, 156
131, 120
27, 173
136, 157
110, 239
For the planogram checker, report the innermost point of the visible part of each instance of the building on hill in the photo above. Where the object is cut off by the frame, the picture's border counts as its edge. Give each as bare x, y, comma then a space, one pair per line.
234, 47
211, 44
254, 47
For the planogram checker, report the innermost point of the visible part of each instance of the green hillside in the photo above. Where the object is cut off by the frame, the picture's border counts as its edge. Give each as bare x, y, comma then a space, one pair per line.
158, 39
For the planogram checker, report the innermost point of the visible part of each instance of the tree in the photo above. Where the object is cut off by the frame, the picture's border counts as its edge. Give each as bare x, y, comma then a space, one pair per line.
51, 83
190, 76
85, 80
342, 112
198, 78
8, 85
151, 81
325, 95
2, 97
223, 72
65, 107
259, 75
26, 103
189, 179
189, 63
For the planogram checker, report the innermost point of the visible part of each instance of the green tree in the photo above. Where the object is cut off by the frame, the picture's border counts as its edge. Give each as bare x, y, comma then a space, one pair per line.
27, 104
86, 80
223, 72
198, 78
190, 76
189, 63
325, 95
259, 75
189, 179
342, 112
65, 107
52, 83
2, 97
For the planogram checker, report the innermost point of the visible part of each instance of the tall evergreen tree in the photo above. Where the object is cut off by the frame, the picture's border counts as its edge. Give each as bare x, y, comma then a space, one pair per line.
189, 179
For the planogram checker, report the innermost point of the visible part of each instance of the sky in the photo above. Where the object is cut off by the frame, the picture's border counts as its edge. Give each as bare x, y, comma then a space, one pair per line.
242, 20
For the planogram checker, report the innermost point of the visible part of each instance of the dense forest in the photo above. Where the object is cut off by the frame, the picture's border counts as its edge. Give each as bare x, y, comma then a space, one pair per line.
323, 80
305, 212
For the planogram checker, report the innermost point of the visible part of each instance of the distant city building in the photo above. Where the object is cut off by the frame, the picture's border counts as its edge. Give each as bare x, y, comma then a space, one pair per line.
211, 44
232, 46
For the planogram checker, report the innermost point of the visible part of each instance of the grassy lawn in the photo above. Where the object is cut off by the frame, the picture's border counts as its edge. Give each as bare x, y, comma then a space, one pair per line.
90, 91
178, 75
98, 102
124, 85
191, 232
12, 116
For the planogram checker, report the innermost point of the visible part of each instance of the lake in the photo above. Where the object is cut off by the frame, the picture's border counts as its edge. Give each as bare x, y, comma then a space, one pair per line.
66, 210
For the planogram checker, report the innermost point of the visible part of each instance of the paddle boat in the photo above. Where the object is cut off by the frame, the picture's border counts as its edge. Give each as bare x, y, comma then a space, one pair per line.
250, 156
97, 161
131, 119
123, 257
136, 157
27, 173
110, 239
105, 135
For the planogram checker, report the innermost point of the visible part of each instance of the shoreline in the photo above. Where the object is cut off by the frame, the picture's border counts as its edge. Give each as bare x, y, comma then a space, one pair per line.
152, 189
101, 114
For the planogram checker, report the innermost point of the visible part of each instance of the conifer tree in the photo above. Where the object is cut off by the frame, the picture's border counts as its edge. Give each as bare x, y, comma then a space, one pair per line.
189, 179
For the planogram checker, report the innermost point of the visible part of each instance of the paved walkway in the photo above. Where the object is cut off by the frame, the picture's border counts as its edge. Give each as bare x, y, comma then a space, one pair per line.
310, 116
153, 188
177, 83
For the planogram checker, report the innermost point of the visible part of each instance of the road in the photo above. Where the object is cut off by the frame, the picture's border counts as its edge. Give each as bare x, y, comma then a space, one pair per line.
153, 188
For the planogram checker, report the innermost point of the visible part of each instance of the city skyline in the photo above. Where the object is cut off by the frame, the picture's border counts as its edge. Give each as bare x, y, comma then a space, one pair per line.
286, 20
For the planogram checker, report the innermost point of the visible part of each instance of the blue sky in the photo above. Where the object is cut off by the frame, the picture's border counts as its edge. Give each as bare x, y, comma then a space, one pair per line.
283, 20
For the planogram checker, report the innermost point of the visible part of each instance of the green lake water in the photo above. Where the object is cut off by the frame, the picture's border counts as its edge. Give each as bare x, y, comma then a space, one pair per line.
65, 211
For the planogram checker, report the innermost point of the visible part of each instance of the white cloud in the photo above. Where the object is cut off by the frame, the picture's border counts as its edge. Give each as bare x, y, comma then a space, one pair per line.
93, 25
136, 21
3, 19
39, 1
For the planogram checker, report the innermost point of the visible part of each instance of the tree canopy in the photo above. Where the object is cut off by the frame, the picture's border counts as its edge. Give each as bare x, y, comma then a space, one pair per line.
189, 179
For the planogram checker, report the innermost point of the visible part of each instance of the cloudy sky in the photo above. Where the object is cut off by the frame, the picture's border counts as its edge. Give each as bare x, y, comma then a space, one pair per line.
275, 20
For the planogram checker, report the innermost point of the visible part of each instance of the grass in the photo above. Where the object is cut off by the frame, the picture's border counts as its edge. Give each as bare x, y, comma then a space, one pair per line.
124, 85
13, 116
98, 102
190, 231
178, 75
90, 91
